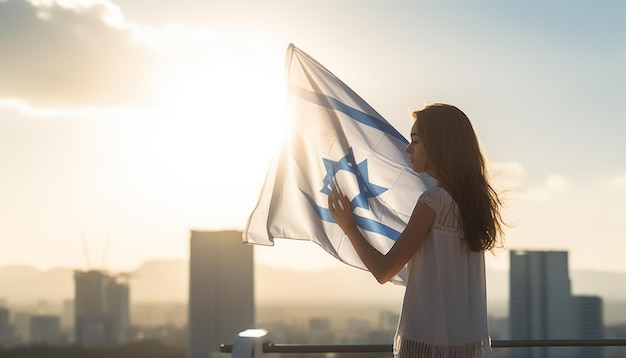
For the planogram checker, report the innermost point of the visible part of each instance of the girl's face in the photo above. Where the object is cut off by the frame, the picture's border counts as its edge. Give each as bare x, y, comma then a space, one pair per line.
417, 152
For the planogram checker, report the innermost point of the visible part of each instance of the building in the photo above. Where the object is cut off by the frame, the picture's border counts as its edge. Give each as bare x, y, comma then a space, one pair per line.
21, 327
540, 306
588, 323
320, 331
388, 320
42, 307
118, 307
67, 320
101, 309
5, 328
46, 329
221, 291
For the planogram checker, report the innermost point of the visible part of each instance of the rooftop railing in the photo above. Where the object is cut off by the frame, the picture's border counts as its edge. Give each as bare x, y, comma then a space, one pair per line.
253, 344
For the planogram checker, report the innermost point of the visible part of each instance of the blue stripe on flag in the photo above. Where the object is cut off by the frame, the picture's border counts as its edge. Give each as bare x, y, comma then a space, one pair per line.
364, 223
359, 116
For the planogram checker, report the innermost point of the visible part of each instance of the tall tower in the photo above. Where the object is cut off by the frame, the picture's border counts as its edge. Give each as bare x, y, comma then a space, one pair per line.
540, 304
588, 323
221, 291
101, 309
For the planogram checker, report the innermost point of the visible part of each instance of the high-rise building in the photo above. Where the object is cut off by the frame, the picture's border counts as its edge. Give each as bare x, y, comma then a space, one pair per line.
5, 328
588, 324
45, 329
117, 295
101, 309
21, 327
67, 320
540, 306
221, 291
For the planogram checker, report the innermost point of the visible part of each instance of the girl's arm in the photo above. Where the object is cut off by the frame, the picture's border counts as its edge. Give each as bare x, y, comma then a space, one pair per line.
382, 266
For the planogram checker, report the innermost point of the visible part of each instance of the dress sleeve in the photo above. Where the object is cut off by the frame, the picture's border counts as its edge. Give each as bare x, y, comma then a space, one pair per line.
429, 198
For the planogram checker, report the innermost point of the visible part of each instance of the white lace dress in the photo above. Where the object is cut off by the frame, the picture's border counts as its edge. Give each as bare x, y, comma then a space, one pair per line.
444, 313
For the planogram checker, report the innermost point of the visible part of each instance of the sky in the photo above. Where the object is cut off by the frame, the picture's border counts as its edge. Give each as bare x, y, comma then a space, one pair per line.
126, 124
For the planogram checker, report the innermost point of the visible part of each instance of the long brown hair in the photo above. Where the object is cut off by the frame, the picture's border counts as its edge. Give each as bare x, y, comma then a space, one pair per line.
456, 161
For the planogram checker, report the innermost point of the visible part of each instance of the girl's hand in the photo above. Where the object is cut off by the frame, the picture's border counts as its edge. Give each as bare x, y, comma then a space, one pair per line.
341, 211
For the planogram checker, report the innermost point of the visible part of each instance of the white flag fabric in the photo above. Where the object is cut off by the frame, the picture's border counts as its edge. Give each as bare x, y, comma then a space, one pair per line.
335, 138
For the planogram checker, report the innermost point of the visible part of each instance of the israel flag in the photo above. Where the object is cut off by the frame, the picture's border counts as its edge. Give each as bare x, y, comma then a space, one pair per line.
336, 138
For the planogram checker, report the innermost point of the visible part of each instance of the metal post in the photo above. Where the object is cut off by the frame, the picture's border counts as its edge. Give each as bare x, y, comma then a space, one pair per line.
249, 344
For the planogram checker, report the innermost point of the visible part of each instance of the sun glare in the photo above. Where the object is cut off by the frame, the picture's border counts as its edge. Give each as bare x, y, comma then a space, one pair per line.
225, 118
227, 95
230, 104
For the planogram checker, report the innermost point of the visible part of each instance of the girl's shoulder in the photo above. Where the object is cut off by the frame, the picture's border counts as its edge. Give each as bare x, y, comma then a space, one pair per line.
436, 198
447, 216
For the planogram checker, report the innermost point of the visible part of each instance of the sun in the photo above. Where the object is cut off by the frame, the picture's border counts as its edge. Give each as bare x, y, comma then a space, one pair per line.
230, 97
231, 106
224, 119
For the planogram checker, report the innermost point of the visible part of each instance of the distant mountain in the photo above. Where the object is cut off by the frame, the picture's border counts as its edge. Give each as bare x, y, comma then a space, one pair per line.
609, 285
26, 283
163, 280
167, 281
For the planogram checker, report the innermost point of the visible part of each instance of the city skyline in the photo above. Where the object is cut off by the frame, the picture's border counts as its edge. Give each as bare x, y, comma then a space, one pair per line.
166, 281
222, 300
129, 128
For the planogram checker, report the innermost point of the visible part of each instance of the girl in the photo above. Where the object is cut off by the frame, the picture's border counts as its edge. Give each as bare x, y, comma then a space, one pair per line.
444, 313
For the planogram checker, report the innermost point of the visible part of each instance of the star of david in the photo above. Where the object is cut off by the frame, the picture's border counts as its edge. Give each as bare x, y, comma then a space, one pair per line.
348, 163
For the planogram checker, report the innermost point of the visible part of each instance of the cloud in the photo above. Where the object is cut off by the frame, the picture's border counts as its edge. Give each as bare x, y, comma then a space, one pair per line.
506, 176
510, 178
556, 183
72, 54
550, 188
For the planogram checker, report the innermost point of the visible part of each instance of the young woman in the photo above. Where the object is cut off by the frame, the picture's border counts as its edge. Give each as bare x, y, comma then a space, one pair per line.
444, 313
